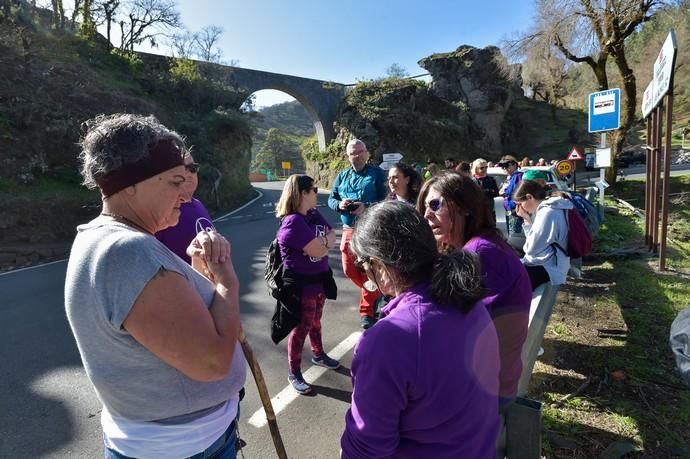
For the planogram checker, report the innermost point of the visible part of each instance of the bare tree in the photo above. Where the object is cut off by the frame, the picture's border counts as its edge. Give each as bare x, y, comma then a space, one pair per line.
147, 20
184, 44
104, 13
207, 41
75, 13
58, 14
589, 32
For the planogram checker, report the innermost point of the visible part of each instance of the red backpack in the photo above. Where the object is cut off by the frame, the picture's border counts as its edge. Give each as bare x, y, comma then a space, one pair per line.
579, 237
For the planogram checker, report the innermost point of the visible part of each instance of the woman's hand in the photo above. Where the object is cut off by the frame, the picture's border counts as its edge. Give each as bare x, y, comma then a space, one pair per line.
210, 253
330, 237
523, 213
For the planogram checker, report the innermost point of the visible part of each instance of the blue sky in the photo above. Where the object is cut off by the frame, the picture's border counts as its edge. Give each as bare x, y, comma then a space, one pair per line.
345, 41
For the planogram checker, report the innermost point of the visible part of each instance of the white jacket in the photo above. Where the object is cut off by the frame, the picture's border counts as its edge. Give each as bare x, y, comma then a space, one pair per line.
549, 226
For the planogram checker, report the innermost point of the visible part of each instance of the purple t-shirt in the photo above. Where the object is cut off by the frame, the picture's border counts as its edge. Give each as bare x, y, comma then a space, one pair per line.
508, 302
194, 218
295, 232
425, 380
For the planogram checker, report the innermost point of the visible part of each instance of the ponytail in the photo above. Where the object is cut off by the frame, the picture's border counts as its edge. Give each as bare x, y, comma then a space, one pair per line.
456, 280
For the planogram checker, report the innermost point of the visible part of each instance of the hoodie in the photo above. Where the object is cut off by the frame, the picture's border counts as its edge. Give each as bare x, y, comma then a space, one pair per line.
549, 226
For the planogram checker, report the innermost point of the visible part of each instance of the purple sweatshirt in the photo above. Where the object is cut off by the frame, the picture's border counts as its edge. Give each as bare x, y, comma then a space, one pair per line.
194, 218
425, 380
508, 302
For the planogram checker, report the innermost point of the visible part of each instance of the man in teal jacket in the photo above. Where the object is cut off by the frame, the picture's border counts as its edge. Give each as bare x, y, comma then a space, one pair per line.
355, 189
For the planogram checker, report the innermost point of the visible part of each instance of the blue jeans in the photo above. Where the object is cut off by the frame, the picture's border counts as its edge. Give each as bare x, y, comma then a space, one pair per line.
222, 448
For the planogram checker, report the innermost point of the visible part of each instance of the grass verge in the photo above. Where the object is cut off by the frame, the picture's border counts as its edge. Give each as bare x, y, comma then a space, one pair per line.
608, 378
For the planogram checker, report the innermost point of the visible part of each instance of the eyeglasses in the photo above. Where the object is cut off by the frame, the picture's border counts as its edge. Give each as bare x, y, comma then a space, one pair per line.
435, 205
192, 168
482, 167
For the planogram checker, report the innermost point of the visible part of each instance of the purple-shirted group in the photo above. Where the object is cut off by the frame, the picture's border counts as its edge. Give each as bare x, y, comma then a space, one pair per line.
436, 365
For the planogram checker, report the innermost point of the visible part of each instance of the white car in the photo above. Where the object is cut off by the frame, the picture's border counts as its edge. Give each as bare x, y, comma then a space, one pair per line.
499, 174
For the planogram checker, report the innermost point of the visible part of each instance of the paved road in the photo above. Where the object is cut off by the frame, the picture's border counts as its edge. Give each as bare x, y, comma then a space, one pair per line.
48, 408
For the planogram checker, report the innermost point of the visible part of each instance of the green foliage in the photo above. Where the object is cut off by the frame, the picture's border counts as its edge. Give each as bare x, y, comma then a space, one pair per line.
134, 63
403, 115
183, 69
278, 147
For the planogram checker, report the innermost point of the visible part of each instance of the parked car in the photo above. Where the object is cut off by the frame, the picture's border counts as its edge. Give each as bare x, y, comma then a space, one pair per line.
631, 157
555, 180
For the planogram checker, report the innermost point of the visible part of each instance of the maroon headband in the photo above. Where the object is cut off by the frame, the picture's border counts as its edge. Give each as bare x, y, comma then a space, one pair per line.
162, 156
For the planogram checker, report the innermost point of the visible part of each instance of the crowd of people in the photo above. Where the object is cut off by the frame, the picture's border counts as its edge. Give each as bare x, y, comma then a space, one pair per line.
152, 297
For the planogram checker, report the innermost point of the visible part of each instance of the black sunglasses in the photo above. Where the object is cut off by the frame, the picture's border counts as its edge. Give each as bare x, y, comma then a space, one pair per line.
435, 204
192, 168
359, 264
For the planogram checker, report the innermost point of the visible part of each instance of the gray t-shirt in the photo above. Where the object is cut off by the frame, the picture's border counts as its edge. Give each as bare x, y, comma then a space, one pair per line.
109, 266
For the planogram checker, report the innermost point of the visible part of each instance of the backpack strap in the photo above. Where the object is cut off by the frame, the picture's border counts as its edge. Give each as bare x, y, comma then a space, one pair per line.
556, 245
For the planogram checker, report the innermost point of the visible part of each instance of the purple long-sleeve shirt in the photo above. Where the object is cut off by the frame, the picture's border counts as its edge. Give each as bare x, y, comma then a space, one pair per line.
194, 218
425, 381
509, 294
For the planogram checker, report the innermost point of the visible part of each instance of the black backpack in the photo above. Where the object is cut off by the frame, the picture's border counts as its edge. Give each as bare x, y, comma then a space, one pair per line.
273, 271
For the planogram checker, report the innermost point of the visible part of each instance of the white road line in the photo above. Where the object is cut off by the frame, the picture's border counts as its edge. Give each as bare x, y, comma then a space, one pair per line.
288, 395
219, 219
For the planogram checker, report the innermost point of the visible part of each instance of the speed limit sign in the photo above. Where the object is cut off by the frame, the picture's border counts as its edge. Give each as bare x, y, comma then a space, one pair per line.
564, 167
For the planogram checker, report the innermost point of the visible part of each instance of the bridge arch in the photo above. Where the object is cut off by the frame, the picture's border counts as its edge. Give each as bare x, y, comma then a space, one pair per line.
319, 98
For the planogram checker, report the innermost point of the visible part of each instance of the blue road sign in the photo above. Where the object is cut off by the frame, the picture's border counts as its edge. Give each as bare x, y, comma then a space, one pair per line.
605, 110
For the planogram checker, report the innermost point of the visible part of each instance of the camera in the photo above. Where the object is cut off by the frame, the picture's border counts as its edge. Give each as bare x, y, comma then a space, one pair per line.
352, 206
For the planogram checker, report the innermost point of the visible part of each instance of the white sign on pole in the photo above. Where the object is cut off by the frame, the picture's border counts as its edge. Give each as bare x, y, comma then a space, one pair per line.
392, 157
386, 165
663, 68
647, 99
604, 103
603, 158
602, 184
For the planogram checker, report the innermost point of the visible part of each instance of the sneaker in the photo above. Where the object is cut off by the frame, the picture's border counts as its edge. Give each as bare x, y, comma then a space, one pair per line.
367, 322
325, 361
298, 383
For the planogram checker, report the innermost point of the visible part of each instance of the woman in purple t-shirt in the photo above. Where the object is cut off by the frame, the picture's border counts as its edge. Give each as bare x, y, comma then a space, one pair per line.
458, 213
305, 237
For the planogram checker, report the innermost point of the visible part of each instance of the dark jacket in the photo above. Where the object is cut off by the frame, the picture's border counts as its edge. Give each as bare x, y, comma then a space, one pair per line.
288, 311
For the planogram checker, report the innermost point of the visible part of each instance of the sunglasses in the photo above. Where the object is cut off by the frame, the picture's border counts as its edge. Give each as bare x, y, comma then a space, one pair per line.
435, 205
192, 168
360, 265
482, 167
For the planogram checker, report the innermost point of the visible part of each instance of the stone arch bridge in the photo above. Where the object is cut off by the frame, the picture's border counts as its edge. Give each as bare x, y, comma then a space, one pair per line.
320, 99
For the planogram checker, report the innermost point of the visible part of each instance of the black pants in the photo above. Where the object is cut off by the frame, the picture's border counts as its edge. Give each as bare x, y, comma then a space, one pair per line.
537, 275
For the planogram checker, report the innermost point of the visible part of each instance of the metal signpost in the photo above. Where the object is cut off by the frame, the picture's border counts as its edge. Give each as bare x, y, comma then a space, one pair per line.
604, 115
653, 110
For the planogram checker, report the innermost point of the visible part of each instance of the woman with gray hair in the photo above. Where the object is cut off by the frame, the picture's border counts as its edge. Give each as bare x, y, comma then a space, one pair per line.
158, 338
425, 376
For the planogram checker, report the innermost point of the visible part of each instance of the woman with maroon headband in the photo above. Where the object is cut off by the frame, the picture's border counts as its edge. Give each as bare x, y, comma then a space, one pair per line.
157, 337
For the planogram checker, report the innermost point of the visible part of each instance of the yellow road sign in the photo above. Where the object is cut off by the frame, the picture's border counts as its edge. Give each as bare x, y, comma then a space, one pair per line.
564, 167
287, 165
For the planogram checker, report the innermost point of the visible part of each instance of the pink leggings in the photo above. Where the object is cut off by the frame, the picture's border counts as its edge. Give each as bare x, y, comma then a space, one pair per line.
312, 308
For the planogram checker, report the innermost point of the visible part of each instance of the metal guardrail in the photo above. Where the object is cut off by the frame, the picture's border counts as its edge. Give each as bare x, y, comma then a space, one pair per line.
521, 432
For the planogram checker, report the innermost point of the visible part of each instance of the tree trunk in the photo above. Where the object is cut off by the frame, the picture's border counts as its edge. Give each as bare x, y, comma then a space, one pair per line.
599, 69
628, 105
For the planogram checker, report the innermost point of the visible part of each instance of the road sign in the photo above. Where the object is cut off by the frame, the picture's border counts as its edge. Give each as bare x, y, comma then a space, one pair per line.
575, 155
647, 98
564, 167
386, 165
603, 158
605, 110
663, 68
395, 157
286, 165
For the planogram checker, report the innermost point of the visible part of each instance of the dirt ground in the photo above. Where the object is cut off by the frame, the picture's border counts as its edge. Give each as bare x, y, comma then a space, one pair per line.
606, 378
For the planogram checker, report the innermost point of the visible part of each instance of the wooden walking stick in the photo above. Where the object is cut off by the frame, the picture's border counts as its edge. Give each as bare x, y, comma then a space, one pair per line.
263, 395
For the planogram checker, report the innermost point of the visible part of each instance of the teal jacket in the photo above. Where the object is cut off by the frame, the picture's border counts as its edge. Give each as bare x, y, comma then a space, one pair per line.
367, 186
